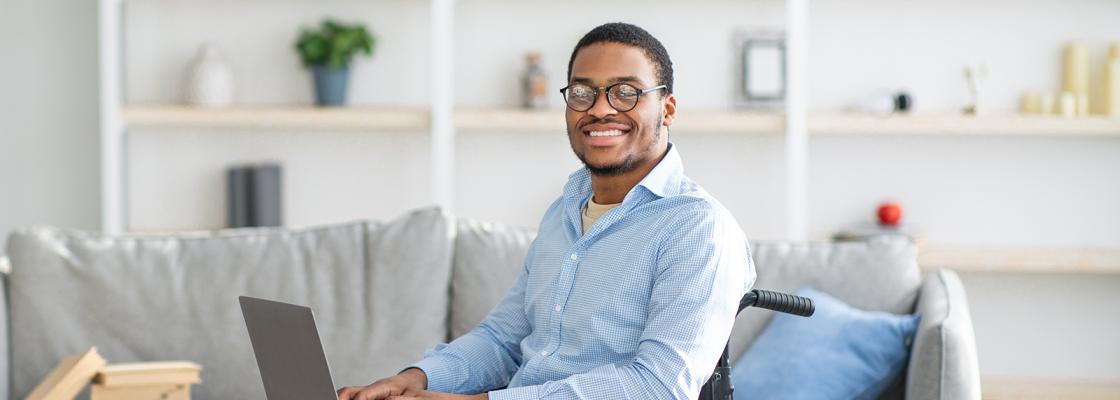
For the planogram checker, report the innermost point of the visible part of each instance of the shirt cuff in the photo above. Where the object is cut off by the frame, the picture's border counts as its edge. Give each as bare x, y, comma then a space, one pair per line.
517, 393
439, 380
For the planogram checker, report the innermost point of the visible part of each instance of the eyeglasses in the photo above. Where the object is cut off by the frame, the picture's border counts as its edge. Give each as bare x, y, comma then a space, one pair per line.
622, 97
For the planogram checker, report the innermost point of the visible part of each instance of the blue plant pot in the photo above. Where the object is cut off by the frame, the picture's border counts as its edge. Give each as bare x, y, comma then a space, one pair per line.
330, 85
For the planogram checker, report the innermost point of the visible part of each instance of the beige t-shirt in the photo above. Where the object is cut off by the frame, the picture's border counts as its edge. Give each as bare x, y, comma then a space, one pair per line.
592, 211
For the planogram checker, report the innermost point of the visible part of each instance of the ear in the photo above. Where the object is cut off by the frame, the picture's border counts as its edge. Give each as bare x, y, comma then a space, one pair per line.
669, 110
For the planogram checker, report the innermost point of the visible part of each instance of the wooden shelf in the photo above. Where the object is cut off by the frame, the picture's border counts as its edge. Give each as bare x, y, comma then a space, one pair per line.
773, 123
282, 117
516, 120
955, 124
699, 121
1020, 259
1037, 389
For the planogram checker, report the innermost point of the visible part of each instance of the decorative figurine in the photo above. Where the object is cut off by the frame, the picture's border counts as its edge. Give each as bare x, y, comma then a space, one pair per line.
974, 75
210, 81
534, 83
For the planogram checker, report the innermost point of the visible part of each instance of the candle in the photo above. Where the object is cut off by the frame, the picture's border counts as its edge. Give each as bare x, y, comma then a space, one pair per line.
1067, 104
1112, 82
1032, 103
1075, 75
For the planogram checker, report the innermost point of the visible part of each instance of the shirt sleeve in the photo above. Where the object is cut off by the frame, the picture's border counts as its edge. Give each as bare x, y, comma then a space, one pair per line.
487, 356
703, 269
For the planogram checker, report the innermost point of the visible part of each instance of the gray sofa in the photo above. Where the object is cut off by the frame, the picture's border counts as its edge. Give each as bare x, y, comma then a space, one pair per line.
382, 293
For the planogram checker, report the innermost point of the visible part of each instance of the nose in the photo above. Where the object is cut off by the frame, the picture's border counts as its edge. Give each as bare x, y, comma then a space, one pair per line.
602, 107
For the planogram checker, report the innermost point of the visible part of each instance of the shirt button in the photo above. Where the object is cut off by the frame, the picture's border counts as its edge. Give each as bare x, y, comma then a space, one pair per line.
575, 256
544, 353
557, 308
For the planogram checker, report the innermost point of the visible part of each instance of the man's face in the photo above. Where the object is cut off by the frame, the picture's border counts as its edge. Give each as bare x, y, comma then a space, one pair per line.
594, 133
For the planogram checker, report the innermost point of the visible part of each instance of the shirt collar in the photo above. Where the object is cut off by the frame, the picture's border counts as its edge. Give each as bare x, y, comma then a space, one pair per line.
663, 181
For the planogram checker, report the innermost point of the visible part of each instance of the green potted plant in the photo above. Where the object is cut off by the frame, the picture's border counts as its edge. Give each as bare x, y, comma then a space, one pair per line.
328, 51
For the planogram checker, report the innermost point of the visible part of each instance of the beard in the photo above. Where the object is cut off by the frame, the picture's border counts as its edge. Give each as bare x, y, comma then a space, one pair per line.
627, 164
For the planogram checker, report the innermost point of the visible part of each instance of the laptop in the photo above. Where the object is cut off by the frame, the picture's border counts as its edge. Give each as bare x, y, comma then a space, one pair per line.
289, 354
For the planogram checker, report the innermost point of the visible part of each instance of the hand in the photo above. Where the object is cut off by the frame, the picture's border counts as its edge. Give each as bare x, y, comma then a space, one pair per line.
407, 383
426, 395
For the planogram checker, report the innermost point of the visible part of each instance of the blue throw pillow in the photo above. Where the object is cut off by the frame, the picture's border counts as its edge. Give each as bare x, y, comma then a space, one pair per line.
838, 353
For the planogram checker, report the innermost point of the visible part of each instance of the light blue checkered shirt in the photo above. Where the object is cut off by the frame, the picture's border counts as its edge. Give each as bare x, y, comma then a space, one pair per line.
638, 308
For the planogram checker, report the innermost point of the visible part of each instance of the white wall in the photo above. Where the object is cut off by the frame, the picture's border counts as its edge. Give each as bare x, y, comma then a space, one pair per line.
1046, 326
1024, 191
48, 114
177, 179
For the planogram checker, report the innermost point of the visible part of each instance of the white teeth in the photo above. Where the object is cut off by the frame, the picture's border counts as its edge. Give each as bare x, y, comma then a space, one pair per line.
613, 132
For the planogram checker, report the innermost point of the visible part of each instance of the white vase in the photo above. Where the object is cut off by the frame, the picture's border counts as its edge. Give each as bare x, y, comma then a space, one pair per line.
210, 81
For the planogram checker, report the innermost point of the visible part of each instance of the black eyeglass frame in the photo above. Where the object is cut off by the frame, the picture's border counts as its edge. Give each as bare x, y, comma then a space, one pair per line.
607, 90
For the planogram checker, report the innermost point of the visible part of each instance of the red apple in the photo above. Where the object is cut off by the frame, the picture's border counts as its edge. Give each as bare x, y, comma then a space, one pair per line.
890, 213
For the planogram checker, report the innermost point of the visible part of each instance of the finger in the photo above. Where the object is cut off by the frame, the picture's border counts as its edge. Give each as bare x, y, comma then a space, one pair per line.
346, 392
421, 395
404, 396
371, 393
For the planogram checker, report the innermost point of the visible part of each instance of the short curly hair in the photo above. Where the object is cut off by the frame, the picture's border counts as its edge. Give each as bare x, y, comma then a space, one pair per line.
631, 35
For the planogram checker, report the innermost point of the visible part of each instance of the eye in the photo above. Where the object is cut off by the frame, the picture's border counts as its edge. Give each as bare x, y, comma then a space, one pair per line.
626, 91
581, 92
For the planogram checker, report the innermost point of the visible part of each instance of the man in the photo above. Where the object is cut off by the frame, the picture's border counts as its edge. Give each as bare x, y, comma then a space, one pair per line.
631, 287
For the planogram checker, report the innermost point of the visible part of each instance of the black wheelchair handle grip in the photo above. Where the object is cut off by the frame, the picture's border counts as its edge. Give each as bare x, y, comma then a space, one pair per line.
777, 301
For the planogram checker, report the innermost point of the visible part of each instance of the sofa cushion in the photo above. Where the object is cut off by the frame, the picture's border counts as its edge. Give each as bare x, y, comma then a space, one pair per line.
488, 258
880, 274
838, 353
378, 290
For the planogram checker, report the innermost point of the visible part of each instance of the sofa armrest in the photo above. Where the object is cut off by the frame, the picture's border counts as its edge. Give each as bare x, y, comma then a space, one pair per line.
5, 342
943, 362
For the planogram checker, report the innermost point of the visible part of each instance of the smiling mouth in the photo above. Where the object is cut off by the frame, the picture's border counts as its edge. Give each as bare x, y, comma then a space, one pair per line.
612, 132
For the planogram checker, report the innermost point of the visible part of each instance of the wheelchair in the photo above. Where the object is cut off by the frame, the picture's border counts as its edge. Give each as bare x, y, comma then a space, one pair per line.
719, 385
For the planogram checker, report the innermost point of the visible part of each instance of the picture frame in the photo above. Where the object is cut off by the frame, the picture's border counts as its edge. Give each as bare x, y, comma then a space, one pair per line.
762, 80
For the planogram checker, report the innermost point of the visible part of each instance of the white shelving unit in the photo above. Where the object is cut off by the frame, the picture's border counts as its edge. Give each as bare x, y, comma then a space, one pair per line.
419, 120
961, 125
1026, 389
1020, 259
112, 124
709, 121
443, 104
274, 118
117, 118
442, 119
797, 136
443, 122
